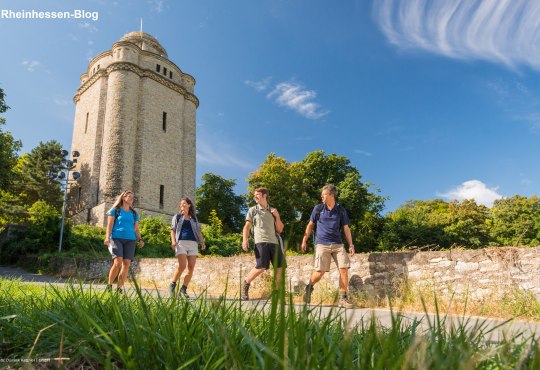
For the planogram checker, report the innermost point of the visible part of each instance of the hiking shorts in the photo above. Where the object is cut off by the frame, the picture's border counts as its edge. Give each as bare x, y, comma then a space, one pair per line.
265, 253
187, 247
325, 253
123, 248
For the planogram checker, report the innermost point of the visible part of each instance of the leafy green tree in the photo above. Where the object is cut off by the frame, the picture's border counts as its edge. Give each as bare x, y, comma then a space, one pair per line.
12, 210
216, 193
157, 237
8, 150
34, 181
468, 224
516, 221
417, 223
218, 243
275, 174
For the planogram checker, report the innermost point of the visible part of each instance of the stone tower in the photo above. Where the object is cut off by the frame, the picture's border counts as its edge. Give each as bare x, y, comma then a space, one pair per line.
135, 130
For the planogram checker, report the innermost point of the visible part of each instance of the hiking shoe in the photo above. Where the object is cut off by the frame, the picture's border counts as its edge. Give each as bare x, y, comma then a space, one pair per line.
183, 292
345, 303
245, 292
307, 293
108, 288
172, 288
119, 290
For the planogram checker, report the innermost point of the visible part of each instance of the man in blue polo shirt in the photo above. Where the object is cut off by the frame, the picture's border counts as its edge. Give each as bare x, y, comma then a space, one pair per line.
329, 218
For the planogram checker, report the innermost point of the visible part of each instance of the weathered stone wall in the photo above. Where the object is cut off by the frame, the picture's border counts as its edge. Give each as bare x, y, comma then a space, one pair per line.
478, 273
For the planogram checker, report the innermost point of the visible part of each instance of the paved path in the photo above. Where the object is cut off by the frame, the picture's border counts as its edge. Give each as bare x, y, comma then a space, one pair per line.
496, 329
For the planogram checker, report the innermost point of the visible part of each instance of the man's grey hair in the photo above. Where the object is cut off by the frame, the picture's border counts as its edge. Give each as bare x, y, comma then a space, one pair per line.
331, 189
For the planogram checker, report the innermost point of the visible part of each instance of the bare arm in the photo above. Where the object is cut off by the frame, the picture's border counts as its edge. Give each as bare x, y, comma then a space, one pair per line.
348, 236
279, 224
309, 229
108, 232
245, 235
138, 234
173, 238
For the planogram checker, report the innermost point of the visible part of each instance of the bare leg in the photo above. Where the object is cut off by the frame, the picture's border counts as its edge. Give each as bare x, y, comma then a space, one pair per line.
115, 269
279, 271
182, 263
343, 279
123, 272
253, 274
315, 277
190, 267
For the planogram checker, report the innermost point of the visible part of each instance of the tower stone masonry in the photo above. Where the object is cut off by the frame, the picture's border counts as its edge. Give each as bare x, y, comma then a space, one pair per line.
135, 130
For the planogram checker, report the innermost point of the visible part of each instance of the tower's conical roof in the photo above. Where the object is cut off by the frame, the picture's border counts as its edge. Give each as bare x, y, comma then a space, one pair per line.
145, 42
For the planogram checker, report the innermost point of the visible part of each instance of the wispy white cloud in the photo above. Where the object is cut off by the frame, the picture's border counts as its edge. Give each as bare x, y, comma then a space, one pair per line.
503, 31
220, 155
157, 5
292, 95
473, 189
61, 102
259, 85
87, 26
31, 65
363, 152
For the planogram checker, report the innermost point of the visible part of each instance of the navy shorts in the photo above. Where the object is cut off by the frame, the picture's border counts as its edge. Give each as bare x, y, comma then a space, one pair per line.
123, 248
265, 253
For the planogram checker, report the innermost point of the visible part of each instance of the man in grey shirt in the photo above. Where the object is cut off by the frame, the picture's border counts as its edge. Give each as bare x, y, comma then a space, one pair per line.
266, 223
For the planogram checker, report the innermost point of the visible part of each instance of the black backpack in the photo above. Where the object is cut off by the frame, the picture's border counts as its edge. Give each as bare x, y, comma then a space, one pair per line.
318, 210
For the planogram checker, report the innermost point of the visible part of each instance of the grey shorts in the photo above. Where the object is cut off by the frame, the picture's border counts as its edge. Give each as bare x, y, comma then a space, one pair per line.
123, 248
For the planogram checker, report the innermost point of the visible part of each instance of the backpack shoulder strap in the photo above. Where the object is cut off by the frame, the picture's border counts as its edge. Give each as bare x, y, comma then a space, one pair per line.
318, 211
255, 214
341, 212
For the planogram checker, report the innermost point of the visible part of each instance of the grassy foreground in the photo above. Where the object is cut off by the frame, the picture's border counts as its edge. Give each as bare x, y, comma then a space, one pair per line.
93, 329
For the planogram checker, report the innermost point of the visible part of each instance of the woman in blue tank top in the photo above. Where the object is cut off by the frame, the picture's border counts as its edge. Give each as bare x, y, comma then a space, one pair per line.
121, 236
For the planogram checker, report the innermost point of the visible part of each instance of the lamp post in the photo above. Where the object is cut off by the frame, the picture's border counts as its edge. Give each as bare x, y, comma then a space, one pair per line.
69, 165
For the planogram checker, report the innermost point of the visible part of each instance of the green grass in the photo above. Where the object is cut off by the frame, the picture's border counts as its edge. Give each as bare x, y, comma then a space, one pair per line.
95, 329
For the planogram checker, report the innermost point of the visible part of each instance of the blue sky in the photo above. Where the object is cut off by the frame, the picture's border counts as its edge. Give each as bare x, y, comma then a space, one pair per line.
428, 99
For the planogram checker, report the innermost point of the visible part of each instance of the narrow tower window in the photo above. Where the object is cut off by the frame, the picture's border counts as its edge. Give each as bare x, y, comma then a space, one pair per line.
158, 67
86, 124
170, 75
164, 121
161, 195
165, 71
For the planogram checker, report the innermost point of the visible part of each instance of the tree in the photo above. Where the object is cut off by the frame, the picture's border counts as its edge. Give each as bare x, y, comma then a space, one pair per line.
516, 221
468, 224
216, 193
34, 181
417, 223
8, 150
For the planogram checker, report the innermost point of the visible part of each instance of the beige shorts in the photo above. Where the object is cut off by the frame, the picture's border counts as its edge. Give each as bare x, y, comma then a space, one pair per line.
326, 252
188, 247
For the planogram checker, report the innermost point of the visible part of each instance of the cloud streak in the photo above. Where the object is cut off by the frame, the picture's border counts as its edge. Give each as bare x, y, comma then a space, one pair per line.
31, 65
292, 95
219, 155
502, 31
473, 189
